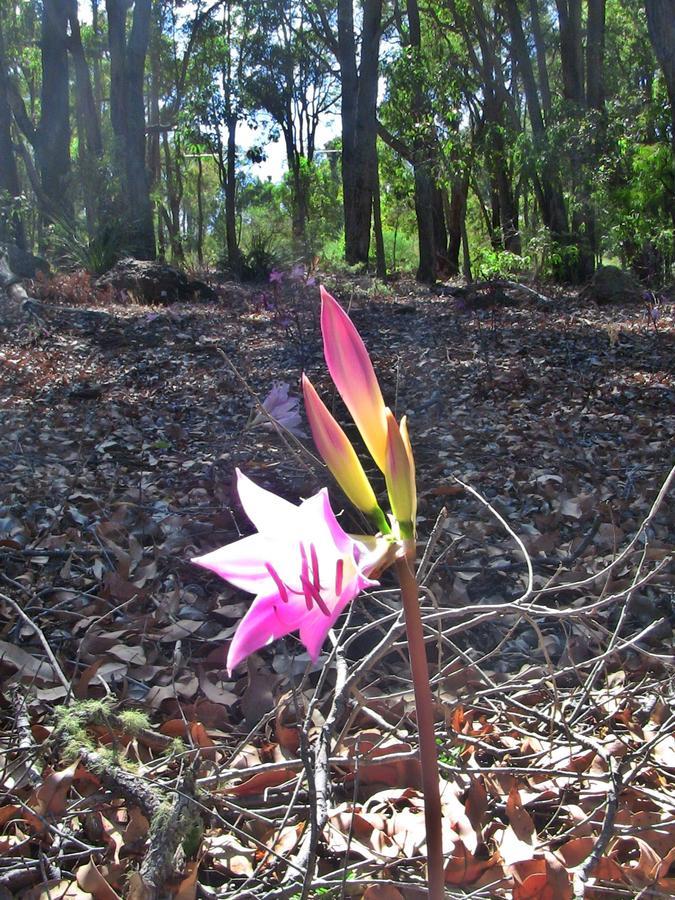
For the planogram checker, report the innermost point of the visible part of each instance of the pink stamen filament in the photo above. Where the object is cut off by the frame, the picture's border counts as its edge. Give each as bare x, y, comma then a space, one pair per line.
315, 567
339, 571
281, 587
311, 590
311, 593
304, 569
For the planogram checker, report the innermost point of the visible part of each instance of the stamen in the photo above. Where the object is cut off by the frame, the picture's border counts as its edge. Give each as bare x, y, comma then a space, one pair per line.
315, 567
307, 590
304, 570
339, 571
281, 587
311, 593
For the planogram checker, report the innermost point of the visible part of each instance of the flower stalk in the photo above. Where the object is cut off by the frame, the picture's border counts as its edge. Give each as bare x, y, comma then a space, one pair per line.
425, 725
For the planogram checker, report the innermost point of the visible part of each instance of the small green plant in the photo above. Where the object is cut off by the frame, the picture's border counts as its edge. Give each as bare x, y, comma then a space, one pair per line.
73, 248
261, 257
449, 756
489, 263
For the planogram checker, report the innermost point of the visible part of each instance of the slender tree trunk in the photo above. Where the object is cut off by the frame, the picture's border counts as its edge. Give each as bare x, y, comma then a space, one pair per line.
84, 94
549, 188
661, 24
96, 59
52, 144
440, 229
89, 142
233, 251
127, 114
380, 258
424, 183
455, 217
11, 226
595, 53
571, 54
173, 194
359, 124
200, 211
349, 81
365, 182
542, 66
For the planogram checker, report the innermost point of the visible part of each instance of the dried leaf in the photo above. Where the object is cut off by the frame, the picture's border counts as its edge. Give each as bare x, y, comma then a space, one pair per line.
89, 878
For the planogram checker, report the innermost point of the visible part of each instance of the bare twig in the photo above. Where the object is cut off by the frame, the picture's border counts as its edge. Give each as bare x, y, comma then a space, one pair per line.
41, 637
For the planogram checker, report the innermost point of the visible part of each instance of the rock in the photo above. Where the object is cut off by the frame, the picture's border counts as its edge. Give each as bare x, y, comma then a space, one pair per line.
154, 282
610, 284
22, 263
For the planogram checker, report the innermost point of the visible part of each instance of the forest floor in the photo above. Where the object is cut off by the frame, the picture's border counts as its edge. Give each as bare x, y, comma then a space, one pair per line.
134, 766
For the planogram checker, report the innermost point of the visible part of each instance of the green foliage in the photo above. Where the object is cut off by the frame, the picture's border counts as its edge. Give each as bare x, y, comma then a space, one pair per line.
72, 248
490, 263
636, 189
260, 258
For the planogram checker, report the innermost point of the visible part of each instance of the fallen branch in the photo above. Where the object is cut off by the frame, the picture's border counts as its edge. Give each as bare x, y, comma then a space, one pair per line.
170, 825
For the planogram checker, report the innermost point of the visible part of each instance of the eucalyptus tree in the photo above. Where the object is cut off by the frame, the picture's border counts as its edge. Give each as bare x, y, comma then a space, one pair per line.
11, 223
128, 47
293, 83
353, 38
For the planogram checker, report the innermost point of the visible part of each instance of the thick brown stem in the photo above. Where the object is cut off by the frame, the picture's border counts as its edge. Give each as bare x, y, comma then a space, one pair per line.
425, 726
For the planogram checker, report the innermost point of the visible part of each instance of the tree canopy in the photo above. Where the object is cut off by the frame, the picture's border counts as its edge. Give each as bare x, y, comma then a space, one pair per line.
470, 135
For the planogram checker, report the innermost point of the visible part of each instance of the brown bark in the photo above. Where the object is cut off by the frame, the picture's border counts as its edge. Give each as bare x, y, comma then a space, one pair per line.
200, 211
359, 128
380, 259
422, 156
52, 139
542, 66
11, 225
571, 54
595, 52
547, 183
127, 115
455, 217
233, 251
84, 95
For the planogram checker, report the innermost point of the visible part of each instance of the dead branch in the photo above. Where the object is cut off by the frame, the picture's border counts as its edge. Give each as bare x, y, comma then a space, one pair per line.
27, 746
170, 824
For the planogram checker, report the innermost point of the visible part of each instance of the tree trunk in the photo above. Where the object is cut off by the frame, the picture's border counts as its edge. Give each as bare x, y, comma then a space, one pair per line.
173, 195
52, 139
440, 229
424, 183
424, 200
127, 115
11, 224
542, 66
455, 217
661, 24
365, 151
380, 258
547, 182
84, 95
233, 251
200, 210
595, 53
89, 141
358, 116
571, 55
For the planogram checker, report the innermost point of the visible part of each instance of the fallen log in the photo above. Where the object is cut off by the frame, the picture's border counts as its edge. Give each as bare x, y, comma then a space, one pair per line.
16, 302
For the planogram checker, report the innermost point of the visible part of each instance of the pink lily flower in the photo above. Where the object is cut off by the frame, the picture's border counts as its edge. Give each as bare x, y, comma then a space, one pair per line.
302, 567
